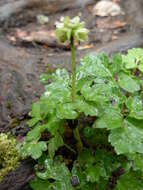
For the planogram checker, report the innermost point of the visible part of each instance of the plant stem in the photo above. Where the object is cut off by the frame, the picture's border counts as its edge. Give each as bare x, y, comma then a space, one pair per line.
73, 68
68, 147
77, 137
76, 130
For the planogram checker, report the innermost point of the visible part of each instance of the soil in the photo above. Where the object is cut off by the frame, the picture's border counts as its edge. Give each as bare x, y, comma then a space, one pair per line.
22, 62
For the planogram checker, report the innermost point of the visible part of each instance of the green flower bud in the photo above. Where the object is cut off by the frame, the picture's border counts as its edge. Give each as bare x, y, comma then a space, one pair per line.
68, 29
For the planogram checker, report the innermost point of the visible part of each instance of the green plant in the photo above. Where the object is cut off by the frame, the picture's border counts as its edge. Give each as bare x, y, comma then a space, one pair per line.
8, 154
79, 142
71, 31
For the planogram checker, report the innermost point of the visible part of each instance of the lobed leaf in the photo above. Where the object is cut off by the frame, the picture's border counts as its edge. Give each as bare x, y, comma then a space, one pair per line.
128, 139
131, 181
128, 83
111, 119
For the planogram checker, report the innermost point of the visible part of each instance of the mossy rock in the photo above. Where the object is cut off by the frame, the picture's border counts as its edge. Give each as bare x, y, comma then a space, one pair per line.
9, 155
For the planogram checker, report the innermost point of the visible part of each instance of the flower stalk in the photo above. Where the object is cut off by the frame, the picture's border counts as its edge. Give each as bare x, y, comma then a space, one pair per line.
73, 69
69, 31
78, 139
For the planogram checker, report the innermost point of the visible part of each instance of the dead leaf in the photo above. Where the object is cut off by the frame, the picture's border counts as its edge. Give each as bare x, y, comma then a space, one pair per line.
88, 46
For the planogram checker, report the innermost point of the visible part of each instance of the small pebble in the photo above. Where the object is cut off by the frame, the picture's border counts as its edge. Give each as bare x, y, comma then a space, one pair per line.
107, 8
75, 181
42, 19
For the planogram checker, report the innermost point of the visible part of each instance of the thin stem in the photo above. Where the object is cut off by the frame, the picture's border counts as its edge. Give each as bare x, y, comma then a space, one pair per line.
73, 69
77, 137
68, 147
76, 130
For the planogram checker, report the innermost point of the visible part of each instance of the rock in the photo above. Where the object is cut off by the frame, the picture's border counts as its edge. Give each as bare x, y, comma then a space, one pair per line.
106, 8
36, 34
20, 177
108, 23
19, 82
10, 7
42, 19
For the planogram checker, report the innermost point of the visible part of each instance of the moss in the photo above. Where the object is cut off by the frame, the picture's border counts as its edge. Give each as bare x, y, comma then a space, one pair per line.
8, 105
9, 155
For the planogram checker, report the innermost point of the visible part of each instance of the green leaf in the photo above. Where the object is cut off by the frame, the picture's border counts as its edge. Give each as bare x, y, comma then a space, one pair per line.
84, 156
104, 59
127, 139
81, 176
32, 122
135, 122
35, 133
131, 181
61, 185
130, 62
111, 119
85, 107
135, 106
35, 114
137, 161
93, 173
58, 172
128, 83
92, 66
54, 144
66, 111
134, 58
38, 184
34, 149
107, 162
97, 168
140, 67
45, 77
58, 92
47, 107
54, 124
99, 92
96, 136
117, 64
61, 75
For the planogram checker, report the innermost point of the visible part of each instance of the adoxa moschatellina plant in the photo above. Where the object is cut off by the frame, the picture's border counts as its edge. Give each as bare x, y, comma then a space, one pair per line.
71, 31
87, 126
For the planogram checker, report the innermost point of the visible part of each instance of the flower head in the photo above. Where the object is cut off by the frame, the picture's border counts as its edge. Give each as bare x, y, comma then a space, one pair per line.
68, 29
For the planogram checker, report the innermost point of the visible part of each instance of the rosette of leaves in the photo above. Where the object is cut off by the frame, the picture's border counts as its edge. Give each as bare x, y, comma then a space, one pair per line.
105, 119
9, 155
